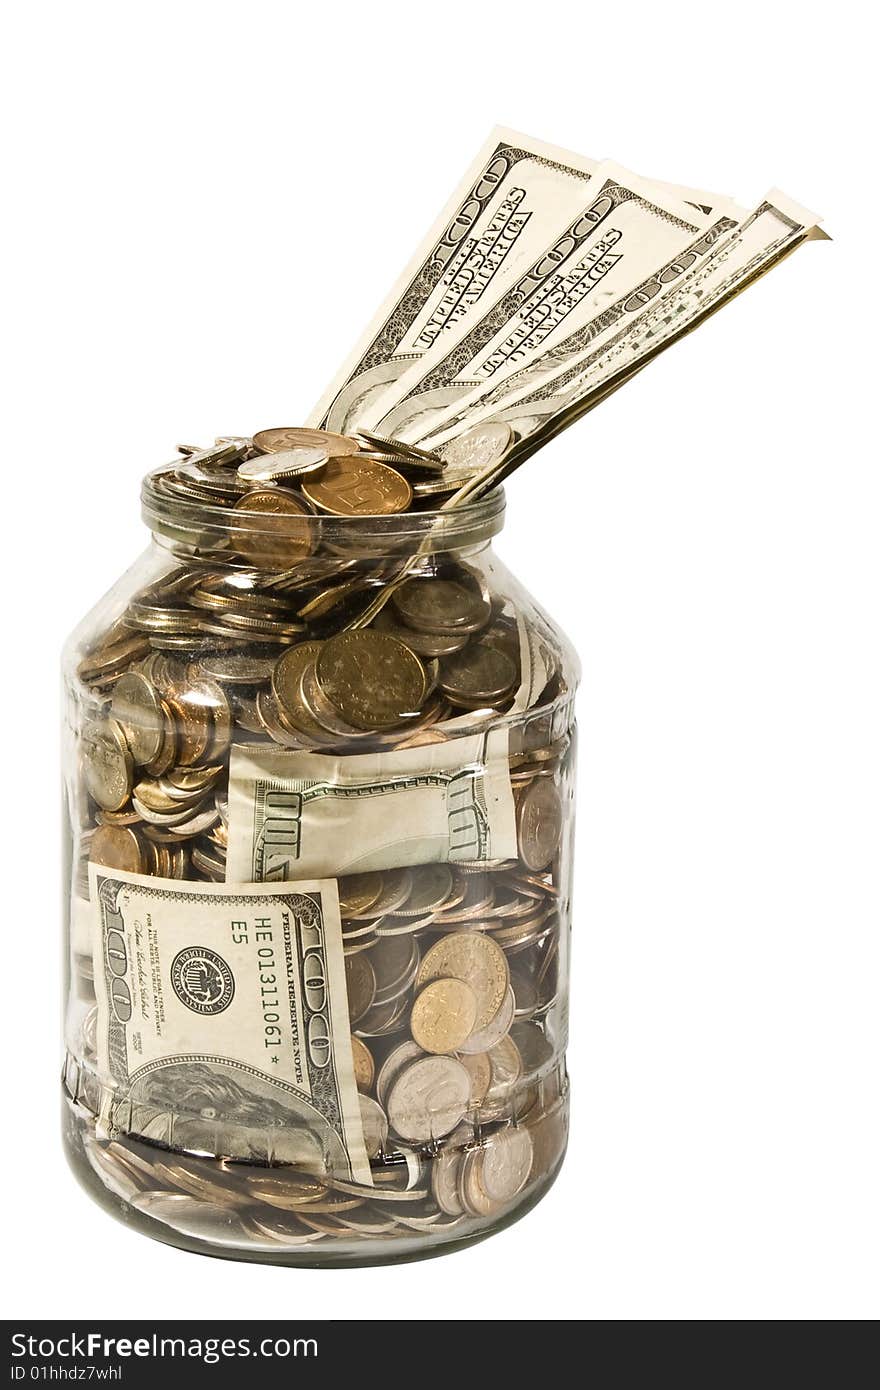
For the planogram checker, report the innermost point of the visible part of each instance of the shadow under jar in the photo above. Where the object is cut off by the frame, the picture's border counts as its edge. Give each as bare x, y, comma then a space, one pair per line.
319, 805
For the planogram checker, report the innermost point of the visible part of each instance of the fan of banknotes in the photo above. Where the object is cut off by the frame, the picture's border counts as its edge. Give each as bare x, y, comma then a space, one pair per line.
547, 281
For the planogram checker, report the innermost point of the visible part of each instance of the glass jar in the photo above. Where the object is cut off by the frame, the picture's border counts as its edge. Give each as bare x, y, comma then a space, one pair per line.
319, 808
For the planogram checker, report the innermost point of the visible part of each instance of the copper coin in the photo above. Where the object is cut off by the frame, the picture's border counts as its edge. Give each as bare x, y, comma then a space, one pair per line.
108, 766
539, 824
115, 847
478, 961
352, 486
299, 437
275, 538
443, 1015
364, 1066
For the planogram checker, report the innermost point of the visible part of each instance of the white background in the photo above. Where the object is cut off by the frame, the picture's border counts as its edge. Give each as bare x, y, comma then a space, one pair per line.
206, 202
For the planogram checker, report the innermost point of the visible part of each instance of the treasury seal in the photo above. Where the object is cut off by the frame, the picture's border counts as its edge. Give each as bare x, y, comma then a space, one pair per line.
202, 980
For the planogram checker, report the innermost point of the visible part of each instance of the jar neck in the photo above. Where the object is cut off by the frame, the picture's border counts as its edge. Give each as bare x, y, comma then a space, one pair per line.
358, 555
220, 535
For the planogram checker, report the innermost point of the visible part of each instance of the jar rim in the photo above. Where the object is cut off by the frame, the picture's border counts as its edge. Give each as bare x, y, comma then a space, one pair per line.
194, 523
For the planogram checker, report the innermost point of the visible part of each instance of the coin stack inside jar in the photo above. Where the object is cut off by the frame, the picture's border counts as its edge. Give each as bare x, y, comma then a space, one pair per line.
261, 636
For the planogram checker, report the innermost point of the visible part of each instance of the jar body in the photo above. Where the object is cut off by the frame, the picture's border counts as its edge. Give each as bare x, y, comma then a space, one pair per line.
317, 986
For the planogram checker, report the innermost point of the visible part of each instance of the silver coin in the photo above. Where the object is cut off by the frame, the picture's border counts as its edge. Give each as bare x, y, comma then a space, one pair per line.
428, 1098
406, 1052
444, 1181
192, 1217
234, 668
507, 1162
286, 463
375, 1125
475, 450
495, 1030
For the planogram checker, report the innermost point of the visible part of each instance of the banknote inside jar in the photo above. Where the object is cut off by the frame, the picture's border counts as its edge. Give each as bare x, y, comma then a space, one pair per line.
379, 676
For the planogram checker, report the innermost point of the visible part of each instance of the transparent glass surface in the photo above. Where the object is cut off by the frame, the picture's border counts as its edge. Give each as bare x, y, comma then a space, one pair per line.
434, 752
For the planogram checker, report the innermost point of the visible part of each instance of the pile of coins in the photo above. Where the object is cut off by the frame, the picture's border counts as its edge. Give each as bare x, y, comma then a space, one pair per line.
466, 1181
155, 763
452, 969
295, 471
453, 1142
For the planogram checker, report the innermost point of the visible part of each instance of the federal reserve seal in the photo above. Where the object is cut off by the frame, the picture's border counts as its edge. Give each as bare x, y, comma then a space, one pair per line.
202, 980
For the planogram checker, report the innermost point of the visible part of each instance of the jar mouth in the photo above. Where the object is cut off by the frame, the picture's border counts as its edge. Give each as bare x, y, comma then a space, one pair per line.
196, 525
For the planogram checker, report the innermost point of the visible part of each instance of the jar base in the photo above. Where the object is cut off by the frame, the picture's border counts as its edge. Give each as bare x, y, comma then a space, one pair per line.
79, 1131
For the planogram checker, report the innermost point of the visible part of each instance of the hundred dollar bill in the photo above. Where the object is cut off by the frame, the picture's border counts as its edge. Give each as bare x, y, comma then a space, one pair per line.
558, 390
562, 359
621, 232
294, 814
776, 227
223, 1019
511, 201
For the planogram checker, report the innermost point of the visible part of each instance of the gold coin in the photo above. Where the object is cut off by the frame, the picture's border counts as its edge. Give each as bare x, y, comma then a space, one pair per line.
287, 687
364, 1066
299, 437
322, 713
137, 709
167, 754
352, 486
539, 824
115, 847
274, 540
361, 984
111, 657
443, 1015
476, 960
127, 817
358, 893
108, 766
373, 680
194, 721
